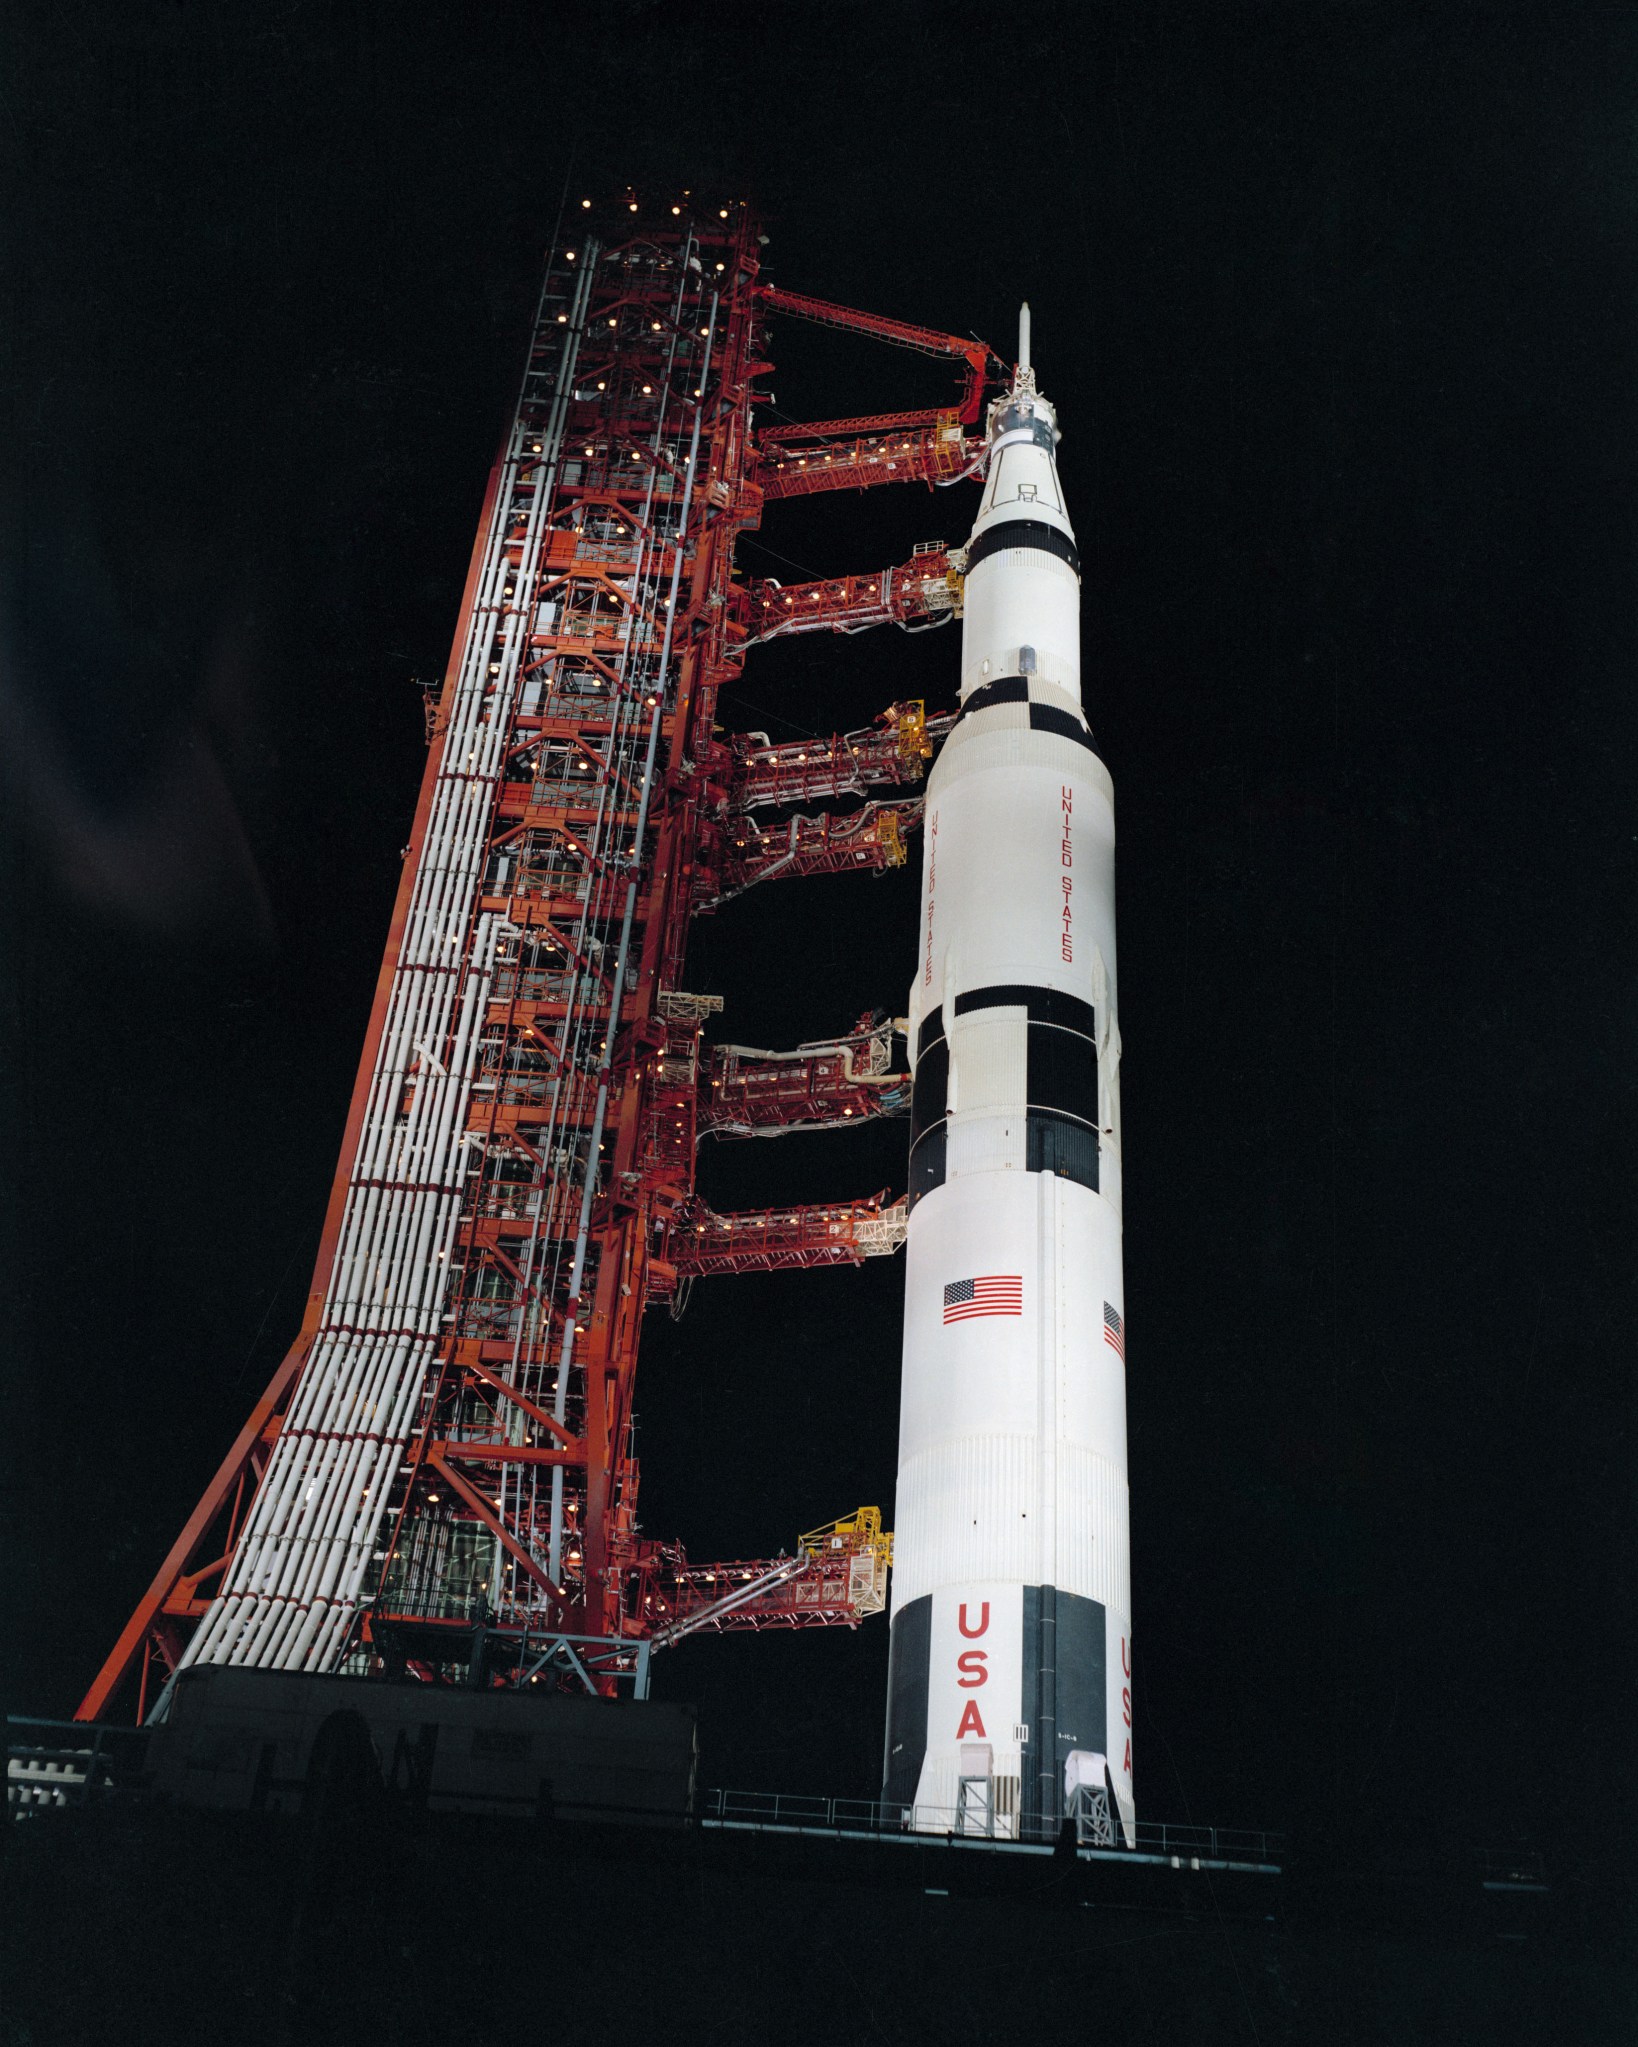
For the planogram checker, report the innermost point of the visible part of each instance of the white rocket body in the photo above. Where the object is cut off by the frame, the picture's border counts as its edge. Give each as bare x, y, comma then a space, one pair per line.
1010, 1666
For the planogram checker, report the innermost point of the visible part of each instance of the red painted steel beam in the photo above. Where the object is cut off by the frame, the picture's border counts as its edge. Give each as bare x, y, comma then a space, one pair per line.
976, 354
754, 1106
769, 1239
838, 429
469, 1493
892, 752
870, 839
929, 455
825, 1085
173, 1571
501, 1385
923, 588
497, 1450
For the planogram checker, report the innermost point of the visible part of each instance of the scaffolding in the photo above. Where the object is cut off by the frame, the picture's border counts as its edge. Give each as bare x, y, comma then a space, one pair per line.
446, 1447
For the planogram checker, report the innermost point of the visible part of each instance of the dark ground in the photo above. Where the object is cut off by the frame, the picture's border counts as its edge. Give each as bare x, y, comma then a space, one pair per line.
1338, 308
451, 1929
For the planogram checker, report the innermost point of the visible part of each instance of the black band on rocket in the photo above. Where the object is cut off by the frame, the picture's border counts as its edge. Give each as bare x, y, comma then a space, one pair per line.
1005, 689
1042, 1005
909, 1659
1063, 1073
1063, 1701
1048, 718
1060, 1103
929, 1108
1014, 689
927, 1163
930, 1090
1061, 1146
1024, 533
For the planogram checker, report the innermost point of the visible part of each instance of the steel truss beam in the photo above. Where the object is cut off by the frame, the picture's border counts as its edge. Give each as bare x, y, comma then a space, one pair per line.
924, 591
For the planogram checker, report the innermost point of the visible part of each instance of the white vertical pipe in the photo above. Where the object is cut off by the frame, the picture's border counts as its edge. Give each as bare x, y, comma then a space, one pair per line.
289, 1552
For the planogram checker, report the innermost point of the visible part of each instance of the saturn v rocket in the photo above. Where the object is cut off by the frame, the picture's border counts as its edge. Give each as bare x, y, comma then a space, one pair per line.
1009, 1687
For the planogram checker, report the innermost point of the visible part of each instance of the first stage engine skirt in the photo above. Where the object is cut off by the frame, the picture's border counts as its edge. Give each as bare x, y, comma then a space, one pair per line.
1011, 1509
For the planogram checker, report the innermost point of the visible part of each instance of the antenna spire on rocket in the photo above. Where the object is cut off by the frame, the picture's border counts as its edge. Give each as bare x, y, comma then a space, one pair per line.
1023, 378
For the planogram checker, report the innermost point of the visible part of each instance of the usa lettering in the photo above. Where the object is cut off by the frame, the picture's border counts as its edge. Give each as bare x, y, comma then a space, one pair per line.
1067, 880
972, 1668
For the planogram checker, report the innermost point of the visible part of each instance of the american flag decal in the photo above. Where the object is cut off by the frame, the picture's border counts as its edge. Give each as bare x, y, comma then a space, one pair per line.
1114, 1330
999, 1293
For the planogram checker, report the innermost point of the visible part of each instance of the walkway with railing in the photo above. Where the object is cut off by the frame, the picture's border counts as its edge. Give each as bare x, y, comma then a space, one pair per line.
1187, 1847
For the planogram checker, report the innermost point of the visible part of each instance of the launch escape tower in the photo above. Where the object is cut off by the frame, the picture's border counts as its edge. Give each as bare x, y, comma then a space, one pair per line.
439, 1475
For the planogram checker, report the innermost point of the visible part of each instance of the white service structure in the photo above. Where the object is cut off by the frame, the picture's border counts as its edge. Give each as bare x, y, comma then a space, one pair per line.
1010, 1671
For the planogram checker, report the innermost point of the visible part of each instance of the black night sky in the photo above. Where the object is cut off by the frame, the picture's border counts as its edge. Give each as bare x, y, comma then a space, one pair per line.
1338, 306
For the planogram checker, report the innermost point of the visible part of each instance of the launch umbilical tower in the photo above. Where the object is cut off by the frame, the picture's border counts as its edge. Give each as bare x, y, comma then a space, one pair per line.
440, 1475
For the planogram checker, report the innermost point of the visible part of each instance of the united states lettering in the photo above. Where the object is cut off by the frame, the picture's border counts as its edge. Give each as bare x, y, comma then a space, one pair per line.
997, 1293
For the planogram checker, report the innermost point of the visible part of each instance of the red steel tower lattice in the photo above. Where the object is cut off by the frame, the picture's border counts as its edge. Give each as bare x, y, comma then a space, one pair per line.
444, 1454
